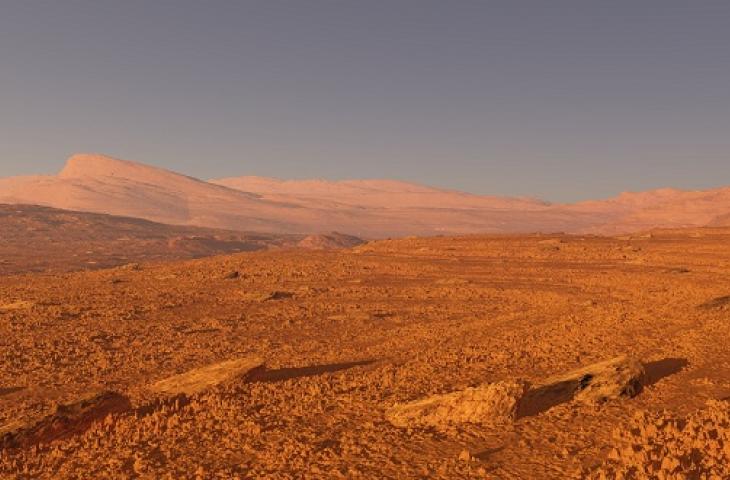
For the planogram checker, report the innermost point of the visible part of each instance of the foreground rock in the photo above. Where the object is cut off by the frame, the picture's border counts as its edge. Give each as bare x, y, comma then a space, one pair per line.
490, 403
199, 379
511, 400
619, 377
67, 420
77, 417
615, 378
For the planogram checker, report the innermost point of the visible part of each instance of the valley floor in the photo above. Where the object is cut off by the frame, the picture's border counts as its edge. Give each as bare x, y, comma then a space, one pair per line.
346, 334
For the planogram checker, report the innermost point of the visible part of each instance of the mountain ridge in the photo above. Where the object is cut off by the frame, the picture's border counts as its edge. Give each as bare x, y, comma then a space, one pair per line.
365, 208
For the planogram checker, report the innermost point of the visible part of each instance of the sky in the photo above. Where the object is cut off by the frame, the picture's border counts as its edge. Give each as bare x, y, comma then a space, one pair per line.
561, 100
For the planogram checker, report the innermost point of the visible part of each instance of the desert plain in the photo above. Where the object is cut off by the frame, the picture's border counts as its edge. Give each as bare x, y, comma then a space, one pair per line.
289, 363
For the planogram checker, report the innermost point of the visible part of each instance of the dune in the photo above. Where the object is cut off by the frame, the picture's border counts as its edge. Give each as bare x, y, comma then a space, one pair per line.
364, 208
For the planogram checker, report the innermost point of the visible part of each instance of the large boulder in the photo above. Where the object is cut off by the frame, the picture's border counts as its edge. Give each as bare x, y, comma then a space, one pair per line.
485, 404
66, 421
615, 378
200, 379
620, 377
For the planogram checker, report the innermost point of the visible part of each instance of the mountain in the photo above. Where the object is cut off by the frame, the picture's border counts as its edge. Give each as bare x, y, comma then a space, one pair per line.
97, 183
365, 208
720, 221
669, 208
375, 194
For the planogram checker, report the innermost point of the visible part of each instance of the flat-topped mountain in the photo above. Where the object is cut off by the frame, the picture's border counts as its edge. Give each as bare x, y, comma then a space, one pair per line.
365, 208
376, 193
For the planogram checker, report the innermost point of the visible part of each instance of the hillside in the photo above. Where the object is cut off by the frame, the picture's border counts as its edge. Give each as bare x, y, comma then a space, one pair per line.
364, 208
34, 238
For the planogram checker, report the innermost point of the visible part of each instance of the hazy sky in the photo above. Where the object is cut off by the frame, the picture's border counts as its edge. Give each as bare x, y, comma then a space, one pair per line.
561, 100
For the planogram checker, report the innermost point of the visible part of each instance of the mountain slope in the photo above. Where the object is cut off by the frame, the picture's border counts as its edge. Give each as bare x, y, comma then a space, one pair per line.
365, 208
102, 184
375, 193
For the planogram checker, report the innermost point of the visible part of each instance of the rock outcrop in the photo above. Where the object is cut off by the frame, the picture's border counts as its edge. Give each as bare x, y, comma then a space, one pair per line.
486, 404
620, 377
199, 379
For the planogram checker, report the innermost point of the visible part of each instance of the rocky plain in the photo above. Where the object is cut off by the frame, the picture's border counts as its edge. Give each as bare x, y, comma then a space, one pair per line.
485, 357
360, 240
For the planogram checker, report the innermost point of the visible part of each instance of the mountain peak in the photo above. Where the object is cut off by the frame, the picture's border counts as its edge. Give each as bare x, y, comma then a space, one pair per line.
94, 165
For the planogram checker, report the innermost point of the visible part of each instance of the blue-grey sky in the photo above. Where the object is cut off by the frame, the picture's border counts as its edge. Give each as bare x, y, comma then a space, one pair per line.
561, 100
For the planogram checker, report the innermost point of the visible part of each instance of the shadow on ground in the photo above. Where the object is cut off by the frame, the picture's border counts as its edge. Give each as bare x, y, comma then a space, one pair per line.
659, 369
282, 374
545, 397
718, 303
9, 390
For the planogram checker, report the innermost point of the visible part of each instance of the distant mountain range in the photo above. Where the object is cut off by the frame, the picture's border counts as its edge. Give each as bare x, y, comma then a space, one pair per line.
366, 208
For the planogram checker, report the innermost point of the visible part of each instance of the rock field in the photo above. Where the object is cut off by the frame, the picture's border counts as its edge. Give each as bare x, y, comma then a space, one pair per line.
290, 364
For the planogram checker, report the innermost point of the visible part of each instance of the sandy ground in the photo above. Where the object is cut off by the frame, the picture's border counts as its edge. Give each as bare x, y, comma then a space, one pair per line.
345, 335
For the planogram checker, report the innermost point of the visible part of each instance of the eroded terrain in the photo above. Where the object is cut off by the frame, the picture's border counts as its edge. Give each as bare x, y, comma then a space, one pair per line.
42, 239
345, 335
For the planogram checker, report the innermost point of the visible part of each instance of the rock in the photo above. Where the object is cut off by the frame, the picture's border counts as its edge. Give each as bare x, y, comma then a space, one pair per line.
615, 378
19, 305
511, 400
485, 404
67, 420
279, 295
199, 379
719, 303
134, 267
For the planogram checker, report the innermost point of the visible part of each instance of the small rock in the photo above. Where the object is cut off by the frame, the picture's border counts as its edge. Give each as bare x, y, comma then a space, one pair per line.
465, 456
279, 295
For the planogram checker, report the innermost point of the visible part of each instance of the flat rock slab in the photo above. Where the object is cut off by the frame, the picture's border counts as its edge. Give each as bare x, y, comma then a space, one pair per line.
68, 420
620, 377
200, 379
19, 305
485, 404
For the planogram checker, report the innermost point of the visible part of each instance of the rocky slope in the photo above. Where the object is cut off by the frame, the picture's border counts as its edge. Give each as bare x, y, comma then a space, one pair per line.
34, 238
